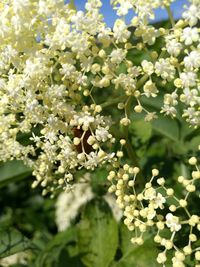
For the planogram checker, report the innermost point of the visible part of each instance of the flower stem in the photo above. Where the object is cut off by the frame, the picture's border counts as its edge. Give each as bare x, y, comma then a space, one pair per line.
129, 148
113, 101
171, 18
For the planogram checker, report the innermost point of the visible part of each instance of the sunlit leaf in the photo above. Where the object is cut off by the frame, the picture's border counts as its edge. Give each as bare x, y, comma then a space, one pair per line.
98, 235
12, 241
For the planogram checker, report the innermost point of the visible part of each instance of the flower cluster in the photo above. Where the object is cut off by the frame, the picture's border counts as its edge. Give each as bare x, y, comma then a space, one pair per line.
158, 206
66, 78
61, 68
69, 203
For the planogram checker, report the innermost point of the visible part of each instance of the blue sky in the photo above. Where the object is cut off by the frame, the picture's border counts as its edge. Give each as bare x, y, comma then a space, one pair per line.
110, 15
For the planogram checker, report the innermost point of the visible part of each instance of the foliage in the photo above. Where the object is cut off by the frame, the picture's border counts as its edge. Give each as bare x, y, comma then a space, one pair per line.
99, 127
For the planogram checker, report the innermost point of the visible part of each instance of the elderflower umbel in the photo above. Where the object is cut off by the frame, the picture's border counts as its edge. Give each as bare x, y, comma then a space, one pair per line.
54, 59
61, 70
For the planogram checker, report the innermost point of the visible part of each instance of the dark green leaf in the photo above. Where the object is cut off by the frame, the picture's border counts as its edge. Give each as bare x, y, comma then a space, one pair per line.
49, 257
13, 171
167, 127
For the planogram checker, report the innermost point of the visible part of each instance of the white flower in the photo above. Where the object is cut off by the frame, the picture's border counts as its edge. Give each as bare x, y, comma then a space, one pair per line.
169, 110
173, 47
150, 213
15, 259
150, 89
173, 222
158, 201
67, 70
155, 200
150, 116
82, 120
127, 83
117, 55
102, 134
121, 34
147, 67
116, 211
192, 14
93, 159
191, 97
93, 4
69, 203
150, 193
87, 22
171, 99
190, 35
192, 60
164, 69
148, 34
124, 7
104, 36
188, 79
161, 258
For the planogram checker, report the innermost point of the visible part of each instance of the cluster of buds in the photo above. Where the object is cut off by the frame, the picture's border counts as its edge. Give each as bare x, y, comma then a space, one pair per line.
158, 207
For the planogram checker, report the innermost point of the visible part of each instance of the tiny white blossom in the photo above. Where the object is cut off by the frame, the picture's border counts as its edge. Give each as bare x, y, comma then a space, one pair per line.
173, 222
117, 56
188, 79
190, 35
121, 34
164, 69
192, 60
192, 14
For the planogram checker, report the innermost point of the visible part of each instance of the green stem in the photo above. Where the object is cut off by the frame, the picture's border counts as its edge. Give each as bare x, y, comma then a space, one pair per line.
114, 101
129, 148
149, 54
162, 54
72, 4
142, 81
171, 18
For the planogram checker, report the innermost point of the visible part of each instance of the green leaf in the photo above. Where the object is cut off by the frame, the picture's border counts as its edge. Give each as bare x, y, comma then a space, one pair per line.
134, 255
12, 241
72, 261
154, 104
164, 125
142, 129
97, 235
13, 171
167, 127
138, 256
49, 257
99, 180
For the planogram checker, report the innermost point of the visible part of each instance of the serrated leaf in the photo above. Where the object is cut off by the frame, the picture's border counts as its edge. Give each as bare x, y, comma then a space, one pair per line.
12, 241
12, 171
97, 235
